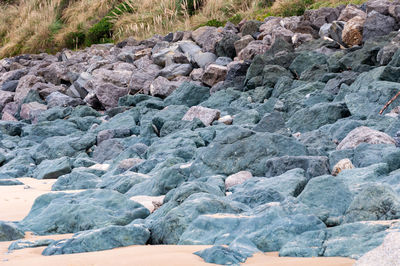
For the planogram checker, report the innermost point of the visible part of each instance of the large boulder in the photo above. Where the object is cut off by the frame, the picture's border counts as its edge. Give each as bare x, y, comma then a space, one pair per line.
109, 237
169, 228
352, 33
188, 94
269, 227
214, 74
207, 37
347, 240
327, 197
57, 213
375, 202
236, 149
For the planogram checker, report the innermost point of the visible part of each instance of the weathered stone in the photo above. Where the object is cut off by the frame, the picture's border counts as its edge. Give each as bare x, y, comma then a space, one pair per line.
364, 134
237, 179
206, 115
207, 37
176, 70
52, 169
252, 49
377, 24
9, 231
350, 12
242, 43
342, 165
30, 111
58, 212
214, 74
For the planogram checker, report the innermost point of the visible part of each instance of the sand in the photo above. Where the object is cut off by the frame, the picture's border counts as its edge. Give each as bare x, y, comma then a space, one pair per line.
16, 201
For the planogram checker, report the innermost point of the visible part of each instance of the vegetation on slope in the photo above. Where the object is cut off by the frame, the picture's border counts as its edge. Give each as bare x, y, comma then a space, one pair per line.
32, 26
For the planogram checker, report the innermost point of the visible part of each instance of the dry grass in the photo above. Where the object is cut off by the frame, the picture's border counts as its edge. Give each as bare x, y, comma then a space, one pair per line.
32, 26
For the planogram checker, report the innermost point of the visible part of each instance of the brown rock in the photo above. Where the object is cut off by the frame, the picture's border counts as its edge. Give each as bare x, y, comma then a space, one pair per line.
207, 37
350, 12
214, 74
364, 134
353, 31
206, 115
30, 111
254, 48
242, 43
342, 165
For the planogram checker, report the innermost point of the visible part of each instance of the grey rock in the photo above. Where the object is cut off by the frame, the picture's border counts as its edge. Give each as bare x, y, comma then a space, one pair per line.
9, 231
176, 70
312, 165
76, 180
221, 255
188, 94
378, 24
58, 213
52, 169
100, 239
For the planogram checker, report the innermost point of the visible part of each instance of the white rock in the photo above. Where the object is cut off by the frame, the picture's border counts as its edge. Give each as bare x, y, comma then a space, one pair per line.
364, 134
206, 115
237, 178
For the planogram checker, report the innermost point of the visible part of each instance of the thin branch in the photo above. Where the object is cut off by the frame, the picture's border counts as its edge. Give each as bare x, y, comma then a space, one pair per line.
389, 102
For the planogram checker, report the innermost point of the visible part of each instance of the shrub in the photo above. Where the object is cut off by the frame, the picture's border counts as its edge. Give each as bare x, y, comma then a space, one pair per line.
235, 19
189, 6
287, 8
75, 39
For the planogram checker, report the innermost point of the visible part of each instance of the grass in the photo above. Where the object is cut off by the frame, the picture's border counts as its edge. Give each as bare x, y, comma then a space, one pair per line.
34, 26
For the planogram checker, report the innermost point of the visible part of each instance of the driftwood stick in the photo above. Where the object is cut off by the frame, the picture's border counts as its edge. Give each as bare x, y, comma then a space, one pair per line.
389, 102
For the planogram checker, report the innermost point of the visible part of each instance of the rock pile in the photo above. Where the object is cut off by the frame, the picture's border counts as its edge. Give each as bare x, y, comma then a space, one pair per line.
220, 136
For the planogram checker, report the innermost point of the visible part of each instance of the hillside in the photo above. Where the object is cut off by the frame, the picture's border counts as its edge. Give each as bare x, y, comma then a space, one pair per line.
34, 26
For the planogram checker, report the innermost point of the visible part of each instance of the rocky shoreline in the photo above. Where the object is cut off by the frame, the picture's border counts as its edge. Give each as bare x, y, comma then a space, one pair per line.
257, 137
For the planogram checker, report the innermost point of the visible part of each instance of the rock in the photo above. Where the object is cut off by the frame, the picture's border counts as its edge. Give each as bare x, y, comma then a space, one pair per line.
107, 150
364, 134
271, 122
375, 202
52, 169
252, 49
214, 74
24, 86
225, 154
314, 117
385, 254
227, 120
377, 24
206, 115
237, 179
109, 94
221, 255
175, 70
169, 228
145, 74
343, 164
268, 227
30, 111
347, 240
250, 27
58, 213
10, 182
242, 43
78, 179
9, 231
381, 7
59, 99
350, 12
223, 61
151, 203
327, 197
272, 73
312, 165
207, 38
162, 87
226, 46
188, 94
10, 85
22, 244
258, 191
204, 59
122, 182
5, 97
100, 239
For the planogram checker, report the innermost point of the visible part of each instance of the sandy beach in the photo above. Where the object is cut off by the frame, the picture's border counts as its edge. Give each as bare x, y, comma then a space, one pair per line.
16, 201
